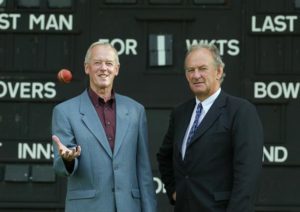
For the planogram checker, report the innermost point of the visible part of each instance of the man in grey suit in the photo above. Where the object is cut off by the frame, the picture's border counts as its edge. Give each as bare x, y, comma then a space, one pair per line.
101, 145
211, 157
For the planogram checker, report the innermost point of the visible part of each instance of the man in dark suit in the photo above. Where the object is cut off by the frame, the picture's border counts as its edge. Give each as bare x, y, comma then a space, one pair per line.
211, 157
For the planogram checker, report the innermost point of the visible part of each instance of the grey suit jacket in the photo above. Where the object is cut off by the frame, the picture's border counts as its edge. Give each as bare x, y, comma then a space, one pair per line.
222, 164
103, 180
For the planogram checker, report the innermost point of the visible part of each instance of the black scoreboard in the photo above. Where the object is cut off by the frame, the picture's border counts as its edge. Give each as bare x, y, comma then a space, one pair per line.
258, 39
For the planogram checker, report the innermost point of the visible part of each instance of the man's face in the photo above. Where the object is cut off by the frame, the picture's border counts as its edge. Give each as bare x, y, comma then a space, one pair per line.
202, 74
102, 67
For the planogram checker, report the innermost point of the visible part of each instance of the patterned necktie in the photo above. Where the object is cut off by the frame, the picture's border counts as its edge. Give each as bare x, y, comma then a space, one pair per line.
195, 124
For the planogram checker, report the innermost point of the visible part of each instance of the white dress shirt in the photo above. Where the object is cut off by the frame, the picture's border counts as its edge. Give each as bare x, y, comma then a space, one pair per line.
206, 104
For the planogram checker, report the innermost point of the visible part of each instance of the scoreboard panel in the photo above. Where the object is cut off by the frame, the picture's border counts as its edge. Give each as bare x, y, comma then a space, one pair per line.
259, 42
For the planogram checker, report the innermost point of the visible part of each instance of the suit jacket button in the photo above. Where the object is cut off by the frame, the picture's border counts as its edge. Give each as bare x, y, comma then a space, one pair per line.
186, 177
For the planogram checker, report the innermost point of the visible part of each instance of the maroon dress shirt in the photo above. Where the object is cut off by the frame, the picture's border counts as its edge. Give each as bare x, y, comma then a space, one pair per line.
107, 114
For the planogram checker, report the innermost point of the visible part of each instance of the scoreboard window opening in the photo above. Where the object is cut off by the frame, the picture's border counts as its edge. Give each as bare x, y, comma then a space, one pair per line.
60, 3
28, 3
209, 1
32, 4
2, 3
165, 1
297, 4
120, 1
160, 50
169, 2
16, 173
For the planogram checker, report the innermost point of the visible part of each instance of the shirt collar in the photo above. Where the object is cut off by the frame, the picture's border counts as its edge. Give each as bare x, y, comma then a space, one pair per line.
97, 100
210, 100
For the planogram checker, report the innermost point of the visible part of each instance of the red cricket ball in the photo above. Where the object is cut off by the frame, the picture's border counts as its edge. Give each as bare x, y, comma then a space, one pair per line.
64, 75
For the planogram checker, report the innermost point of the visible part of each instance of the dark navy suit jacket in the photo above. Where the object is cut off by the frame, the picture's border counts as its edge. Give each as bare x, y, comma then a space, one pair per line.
222, 165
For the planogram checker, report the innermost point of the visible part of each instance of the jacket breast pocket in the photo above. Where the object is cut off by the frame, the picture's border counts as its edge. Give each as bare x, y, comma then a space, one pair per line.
221, 196
219, 136
81, 194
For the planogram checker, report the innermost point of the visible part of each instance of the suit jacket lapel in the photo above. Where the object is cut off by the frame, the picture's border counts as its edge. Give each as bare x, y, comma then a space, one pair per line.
91, 120
185, 121
122, 123
211, 116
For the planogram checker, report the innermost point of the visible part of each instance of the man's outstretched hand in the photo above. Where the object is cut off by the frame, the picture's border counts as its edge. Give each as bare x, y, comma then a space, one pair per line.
66, 153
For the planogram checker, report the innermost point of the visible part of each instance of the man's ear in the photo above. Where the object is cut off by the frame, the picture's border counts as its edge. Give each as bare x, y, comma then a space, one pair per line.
117, 70
219, 72
86, 68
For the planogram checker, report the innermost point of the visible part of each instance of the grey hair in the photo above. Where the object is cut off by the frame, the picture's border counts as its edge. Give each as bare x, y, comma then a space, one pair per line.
100, 43
218, 62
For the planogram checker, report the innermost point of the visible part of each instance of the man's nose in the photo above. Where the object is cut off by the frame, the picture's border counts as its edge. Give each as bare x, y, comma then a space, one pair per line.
197, 73
103, 67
